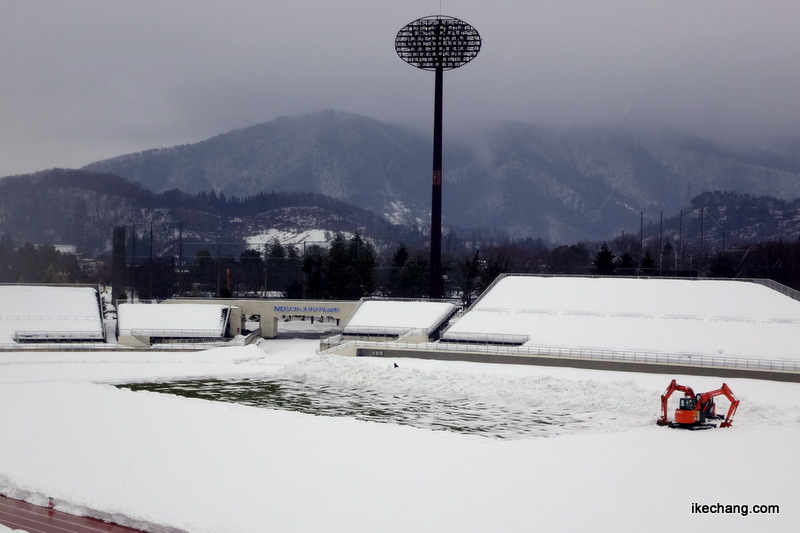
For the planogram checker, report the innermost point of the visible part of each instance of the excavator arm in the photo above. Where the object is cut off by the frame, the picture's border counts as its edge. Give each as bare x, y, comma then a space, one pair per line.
671, 388
728, 393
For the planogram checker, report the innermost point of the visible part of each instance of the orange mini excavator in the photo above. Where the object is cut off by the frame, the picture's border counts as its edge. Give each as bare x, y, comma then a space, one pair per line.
695, 410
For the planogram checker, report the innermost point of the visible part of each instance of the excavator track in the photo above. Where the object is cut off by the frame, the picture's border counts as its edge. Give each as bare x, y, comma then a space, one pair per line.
691, 427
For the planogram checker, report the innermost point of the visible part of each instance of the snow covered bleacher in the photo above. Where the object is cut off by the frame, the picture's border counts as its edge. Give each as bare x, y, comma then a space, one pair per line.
140, 323
679, 316
398, 318
44, 314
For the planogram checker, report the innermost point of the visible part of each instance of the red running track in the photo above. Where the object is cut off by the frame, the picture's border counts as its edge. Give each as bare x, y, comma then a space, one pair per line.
17, 514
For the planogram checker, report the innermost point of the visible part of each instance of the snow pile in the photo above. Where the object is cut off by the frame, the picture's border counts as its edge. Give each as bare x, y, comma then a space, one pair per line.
704, 317
39, 312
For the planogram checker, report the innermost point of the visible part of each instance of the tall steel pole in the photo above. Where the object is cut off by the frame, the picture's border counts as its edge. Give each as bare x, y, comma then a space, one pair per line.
436, 189
437, 43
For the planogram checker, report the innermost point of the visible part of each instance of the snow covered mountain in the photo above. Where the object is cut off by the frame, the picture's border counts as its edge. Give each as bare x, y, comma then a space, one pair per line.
80, 208
558, 184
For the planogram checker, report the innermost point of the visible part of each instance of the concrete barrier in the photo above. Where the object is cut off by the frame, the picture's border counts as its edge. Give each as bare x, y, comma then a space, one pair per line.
572, 362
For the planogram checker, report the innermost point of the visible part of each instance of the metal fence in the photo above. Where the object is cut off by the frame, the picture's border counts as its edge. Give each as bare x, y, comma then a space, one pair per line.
187, 334
627, 356
58, 336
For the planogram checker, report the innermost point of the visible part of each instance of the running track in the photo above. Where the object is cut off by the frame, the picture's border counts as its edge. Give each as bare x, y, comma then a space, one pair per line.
17, 514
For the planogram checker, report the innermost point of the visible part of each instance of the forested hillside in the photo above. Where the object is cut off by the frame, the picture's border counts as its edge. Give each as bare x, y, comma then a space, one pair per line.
527, 180
80, 208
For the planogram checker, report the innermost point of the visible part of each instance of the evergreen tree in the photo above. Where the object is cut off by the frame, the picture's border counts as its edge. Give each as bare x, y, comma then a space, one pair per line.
400, 257
279, 276
604, 261
469, 270
361, 277
399, 260
491, 270
408, 277
276, 249
203, 273
251, 271
572, 259
337, 269
160, 278
313, 272
7, 258
413, 280
30, 268
722, 266
648, 265
626, 264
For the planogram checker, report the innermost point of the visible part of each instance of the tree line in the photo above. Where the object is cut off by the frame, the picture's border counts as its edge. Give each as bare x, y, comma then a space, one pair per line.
351, 267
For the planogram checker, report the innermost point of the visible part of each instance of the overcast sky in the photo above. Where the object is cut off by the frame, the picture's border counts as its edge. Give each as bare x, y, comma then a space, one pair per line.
83, 80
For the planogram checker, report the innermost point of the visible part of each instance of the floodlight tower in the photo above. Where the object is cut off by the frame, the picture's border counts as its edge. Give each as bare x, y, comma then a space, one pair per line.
437, 43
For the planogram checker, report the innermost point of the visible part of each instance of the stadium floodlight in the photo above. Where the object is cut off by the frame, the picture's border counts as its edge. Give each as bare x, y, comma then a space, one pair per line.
437, 43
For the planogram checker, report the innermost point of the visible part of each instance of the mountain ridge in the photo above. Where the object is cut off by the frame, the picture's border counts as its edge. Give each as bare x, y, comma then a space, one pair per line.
556, 183
65, 206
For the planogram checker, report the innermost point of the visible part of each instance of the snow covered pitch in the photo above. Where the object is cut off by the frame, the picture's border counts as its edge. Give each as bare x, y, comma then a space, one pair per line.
169, 464
172, 464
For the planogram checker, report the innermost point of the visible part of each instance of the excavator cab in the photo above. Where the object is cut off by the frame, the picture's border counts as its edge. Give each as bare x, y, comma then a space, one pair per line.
688, 404
687, 412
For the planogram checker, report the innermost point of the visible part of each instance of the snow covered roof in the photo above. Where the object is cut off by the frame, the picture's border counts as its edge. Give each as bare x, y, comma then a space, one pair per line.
712, 317
394, 317
172, 320
29, 312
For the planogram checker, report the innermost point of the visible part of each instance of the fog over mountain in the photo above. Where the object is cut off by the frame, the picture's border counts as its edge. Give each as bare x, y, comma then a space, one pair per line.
560, 184
89, 80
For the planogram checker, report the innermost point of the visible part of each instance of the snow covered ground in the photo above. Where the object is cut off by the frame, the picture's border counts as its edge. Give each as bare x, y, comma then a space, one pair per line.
169, 464
292, 237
